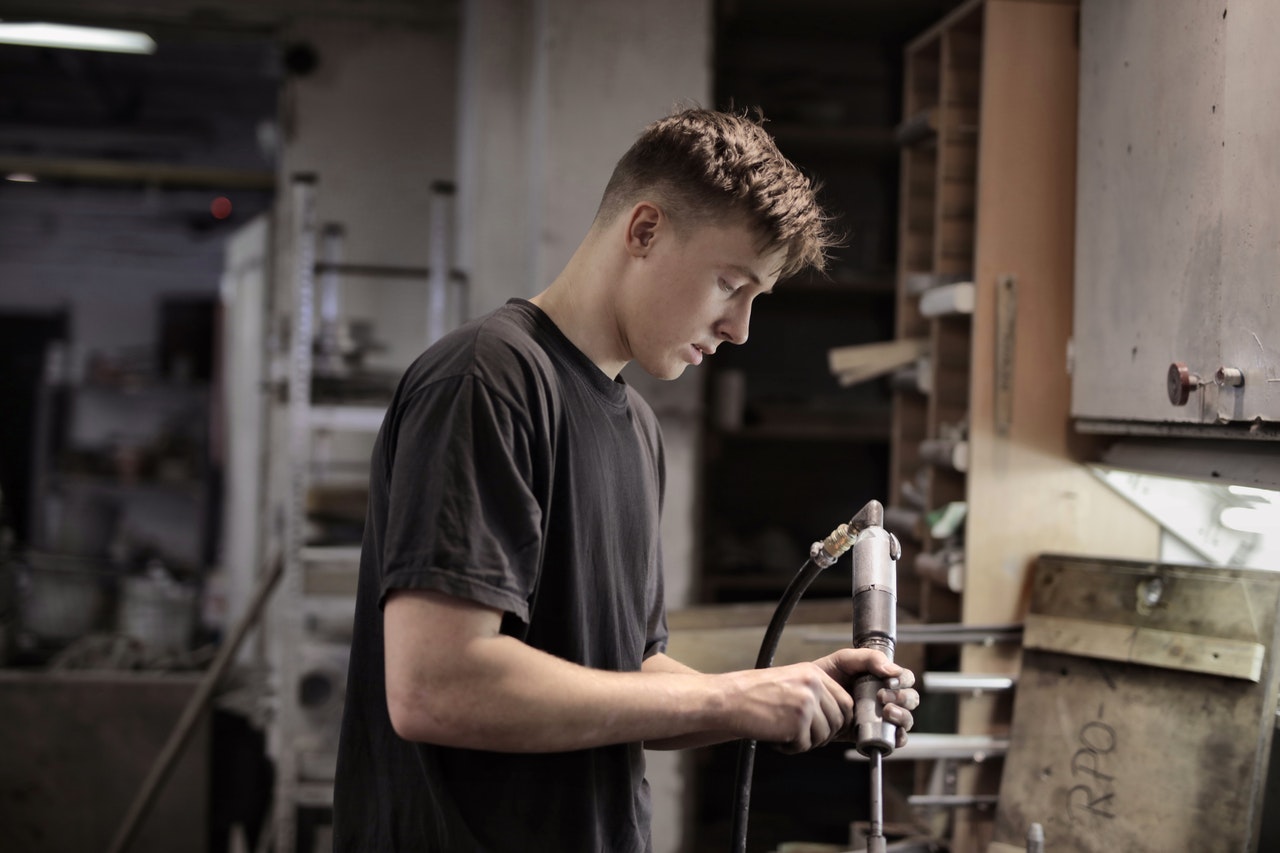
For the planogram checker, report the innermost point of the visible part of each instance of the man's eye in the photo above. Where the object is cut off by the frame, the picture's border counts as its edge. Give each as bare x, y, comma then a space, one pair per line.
726, 286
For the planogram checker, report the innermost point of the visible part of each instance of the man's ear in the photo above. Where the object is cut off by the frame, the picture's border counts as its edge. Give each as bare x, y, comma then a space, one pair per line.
643, 226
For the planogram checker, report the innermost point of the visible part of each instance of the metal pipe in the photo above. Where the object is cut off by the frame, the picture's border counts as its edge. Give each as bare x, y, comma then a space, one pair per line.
926, 747
876, 839
965, 682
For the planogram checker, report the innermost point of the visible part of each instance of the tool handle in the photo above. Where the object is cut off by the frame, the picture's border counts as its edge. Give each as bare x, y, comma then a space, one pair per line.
872, 732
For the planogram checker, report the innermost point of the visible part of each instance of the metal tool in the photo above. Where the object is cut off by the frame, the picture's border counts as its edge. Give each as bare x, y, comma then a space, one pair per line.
875, 626
875, 601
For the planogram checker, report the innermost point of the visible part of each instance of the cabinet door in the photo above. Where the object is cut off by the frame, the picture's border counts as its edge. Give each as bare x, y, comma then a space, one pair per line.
1178, 212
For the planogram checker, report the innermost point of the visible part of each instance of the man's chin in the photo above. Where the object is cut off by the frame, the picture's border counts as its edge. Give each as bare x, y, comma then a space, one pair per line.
665, 372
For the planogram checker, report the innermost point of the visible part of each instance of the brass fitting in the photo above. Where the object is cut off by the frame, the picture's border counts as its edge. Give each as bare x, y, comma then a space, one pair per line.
833, 547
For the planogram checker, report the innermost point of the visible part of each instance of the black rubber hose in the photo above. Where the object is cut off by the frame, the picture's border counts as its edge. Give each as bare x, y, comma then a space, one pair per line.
768, 648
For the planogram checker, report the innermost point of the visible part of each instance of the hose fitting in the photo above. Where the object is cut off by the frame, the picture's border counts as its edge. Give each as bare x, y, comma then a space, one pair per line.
826, 552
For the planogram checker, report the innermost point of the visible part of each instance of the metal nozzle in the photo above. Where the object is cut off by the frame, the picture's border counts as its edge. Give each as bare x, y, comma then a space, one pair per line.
840, 540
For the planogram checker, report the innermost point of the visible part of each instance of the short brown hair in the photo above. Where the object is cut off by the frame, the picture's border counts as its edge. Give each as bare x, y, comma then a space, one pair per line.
705, 166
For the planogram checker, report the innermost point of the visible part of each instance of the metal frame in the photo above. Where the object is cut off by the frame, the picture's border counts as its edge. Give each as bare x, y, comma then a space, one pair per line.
317, 590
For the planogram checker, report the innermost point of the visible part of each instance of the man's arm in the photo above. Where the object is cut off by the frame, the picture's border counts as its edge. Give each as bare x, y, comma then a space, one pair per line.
454, 679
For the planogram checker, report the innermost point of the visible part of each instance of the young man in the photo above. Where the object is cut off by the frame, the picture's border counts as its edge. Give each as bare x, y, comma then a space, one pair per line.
508, 663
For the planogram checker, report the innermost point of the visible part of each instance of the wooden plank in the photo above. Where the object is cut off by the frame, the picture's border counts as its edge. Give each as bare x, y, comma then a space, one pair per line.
1149, 646
867, 361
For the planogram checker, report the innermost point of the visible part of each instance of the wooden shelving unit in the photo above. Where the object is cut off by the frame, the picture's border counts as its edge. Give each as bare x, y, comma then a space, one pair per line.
939, 137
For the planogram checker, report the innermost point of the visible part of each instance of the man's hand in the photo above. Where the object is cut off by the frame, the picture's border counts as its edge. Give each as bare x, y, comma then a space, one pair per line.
798, 707
847, 664
807, 705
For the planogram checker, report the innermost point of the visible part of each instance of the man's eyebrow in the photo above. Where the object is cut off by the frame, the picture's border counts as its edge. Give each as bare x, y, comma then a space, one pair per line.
745, 272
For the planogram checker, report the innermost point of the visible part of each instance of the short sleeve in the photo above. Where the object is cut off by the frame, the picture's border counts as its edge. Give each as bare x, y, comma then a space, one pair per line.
462, 516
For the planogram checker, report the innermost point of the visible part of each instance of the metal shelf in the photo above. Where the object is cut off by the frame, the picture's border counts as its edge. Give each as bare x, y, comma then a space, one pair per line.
343, 418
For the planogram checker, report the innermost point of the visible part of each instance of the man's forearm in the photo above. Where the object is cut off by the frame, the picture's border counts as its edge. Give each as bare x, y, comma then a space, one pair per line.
502, 695
661, 663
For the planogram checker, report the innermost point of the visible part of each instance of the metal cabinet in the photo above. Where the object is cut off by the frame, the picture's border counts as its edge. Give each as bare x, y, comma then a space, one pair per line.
1177, 274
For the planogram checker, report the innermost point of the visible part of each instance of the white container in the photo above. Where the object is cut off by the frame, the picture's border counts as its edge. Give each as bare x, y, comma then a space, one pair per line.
157, 611
958, 298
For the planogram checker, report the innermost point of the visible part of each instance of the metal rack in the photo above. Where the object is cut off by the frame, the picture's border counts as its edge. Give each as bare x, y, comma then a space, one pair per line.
309, 628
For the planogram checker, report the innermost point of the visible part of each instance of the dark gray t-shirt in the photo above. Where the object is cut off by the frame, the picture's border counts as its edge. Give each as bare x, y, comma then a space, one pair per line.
512, 472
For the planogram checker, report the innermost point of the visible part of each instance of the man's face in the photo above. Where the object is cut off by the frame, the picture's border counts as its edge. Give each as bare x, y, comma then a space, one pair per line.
695, 294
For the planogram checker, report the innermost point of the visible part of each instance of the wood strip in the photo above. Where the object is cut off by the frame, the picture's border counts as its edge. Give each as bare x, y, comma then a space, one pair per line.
1142, 645
867, 361
1006, 329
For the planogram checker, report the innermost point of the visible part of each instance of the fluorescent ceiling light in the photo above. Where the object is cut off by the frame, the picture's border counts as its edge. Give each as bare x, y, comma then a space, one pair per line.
21, 178
76, 38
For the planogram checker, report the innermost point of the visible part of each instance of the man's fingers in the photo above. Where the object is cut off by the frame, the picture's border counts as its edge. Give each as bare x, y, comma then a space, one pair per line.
906, 697
834, 711
855, 661
906, 678
899, 716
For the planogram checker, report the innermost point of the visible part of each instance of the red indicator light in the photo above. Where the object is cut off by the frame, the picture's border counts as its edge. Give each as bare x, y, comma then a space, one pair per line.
221, 207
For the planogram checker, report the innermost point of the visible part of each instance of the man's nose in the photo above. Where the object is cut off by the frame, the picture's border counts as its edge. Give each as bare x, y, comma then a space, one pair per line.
735, 327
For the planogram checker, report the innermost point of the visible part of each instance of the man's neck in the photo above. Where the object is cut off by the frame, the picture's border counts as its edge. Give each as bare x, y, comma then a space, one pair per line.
580, 302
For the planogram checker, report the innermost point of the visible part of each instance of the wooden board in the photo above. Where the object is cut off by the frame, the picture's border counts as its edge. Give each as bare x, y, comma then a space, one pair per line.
859, 363
1110, 755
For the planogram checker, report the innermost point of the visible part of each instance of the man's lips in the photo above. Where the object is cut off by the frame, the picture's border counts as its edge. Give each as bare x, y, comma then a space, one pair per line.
699, 351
